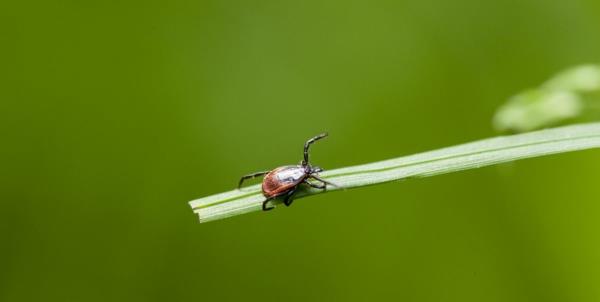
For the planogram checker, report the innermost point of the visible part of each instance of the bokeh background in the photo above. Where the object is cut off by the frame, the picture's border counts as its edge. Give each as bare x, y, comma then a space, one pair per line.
116, 113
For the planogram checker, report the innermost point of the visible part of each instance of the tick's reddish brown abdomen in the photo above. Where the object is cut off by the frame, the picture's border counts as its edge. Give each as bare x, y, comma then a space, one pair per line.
282, 180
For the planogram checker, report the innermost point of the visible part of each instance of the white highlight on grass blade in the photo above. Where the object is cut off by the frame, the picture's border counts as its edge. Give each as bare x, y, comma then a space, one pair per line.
462, 157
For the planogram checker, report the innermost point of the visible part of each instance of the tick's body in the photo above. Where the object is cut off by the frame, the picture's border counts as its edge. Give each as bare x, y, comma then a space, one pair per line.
284, 181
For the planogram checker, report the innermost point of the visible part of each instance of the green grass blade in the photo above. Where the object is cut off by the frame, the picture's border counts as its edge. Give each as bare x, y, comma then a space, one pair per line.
462, 157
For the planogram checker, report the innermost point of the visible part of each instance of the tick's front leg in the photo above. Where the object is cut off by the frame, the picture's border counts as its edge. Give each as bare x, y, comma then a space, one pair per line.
321, 186
325, 182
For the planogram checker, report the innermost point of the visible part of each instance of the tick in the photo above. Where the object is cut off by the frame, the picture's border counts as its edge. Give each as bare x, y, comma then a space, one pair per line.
284, 181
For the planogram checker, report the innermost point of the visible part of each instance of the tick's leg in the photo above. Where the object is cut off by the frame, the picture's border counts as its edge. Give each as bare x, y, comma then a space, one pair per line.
264, 205
287, 201
307, 145
250, 176
325, 181
317, 186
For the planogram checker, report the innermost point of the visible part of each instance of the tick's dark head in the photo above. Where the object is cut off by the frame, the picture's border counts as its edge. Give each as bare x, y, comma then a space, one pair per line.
308, 169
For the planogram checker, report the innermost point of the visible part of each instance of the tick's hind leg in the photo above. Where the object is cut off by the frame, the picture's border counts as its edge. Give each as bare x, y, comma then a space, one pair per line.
287, 201
264, 205
250, 176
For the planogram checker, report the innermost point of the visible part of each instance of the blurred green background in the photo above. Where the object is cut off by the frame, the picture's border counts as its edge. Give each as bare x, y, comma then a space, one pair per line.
116, 114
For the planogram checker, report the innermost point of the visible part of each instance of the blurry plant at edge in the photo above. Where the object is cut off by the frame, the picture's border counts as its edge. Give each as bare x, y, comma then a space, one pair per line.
572, 95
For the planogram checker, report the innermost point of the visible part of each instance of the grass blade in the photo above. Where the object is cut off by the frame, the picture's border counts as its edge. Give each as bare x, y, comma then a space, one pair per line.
462, 157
